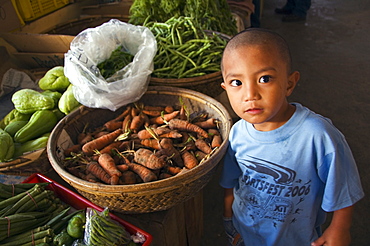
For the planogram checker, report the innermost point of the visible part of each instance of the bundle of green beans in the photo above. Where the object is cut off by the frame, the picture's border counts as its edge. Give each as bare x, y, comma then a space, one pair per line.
103, 231
212, 15
30, 214
184, 50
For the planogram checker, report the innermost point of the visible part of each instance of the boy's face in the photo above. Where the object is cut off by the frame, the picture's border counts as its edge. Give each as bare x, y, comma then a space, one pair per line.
257, 83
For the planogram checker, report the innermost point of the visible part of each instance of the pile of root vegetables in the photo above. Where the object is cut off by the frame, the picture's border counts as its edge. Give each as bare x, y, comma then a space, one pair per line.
142, 144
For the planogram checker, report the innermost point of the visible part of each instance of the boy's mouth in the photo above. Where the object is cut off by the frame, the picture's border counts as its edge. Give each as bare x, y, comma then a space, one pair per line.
254, 110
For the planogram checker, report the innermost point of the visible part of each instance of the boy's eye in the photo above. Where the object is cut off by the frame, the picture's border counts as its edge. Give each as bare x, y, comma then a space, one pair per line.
265, 79
235, 82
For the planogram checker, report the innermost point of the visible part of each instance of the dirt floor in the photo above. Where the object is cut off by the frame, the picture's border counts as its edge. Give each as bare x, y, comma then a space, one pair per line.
331, 50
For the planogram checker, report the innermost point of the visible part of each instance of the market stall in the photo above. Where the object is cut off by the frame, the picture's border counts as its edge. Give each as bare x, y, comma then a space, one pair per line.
117, 79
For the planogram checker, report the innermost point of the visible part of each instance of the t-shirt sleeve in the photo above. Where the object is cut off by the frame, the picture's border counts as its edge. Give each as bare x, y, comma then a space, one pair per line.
230, 171
342, 182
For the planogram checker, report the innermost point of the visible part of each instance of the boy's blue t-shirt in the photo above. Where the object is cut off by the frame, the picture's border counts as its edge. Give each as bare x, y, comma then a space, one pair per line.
285, 179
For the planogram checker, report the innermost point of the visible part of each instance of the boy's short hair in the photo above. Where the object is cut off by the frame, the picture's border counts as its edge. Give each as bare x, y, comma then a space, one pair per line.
260, 36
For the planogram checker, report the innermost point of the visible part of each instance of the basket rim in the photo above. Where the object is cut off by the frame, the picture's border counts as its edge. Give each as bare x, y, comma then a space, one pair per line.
159, 185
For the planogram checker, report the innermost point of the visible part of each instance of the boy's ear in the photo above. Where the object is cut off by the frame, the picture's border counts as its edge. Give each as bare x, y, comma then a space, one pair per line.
292, 82
223, 85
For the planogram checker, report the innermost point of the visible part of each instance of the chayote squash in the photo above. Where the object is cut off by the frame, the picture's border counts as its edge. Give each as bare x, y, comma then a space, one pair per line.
41, 122
14, 126
68, 102
7, 146
76, 225
54, 80
31, 145
63, 239
53, 94
28, 101
13, 115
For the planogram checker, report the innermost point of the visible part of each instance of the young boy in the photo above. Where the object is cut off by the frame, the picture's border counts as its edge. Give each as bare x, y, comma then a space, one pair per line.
286, 166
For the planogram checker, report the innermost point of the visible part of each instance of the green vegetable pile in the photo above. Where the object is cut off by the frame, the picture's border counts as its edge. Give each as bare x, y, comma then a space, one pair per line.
27, 127
184, 49
118, 60
30, 214
212, 15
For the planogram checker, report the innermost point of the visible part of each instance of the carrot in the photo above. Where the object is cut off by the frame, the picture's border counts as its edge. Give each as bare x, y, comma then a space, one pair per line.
216, 141
114, 180
137, 122
188, 142
153, 108
99, 134
83, 138
99, 143
207, 124
165, 176
160, 132
183, 125
171, 151
107, 162
168, 109
73, 149
173, 170
121, 116
163, 118
126, 123
122, 167
113, 125
183, 114
147, 158
144, 173
108, 149
128, 177
200, 155
153, 113
91, 178
77, 172
203, 146
94, 168
151, 143
190, 161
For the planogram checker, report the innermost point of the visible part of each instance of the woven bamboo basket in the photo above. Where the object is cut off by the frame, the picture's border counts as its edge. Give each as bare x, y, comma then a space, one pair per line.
143, 197
209, 84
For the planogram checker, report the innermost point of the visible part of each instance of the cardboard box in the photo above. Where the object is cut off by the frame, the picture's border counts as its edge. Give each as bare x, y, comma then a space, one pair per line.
43, 43
40, 50
9, 20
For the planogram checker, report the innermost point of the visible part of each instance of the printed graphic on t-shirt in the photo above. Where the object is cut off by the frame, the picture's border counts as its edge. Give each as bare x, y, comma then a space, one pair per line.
271, 191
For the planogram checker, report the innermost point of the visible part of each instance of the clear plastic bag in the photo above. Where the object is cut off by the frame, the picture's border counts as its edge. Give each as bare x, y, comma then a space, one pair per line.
100, 229
95, 45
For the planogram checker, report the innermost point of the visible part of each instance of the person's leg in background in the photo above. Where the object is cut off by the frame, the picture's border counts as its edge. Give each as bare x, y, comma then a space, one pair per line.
294, 10
256, 15
242, 10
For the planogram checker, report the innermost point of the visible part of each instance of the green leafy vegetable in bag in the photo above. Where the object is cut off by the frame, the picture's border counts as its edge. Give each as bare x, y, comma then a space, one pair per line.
54, 80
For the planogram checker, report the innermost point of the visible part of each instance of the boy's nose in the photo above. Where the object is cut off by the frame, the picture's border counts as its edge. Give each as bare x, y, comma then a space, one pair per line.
250, 93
